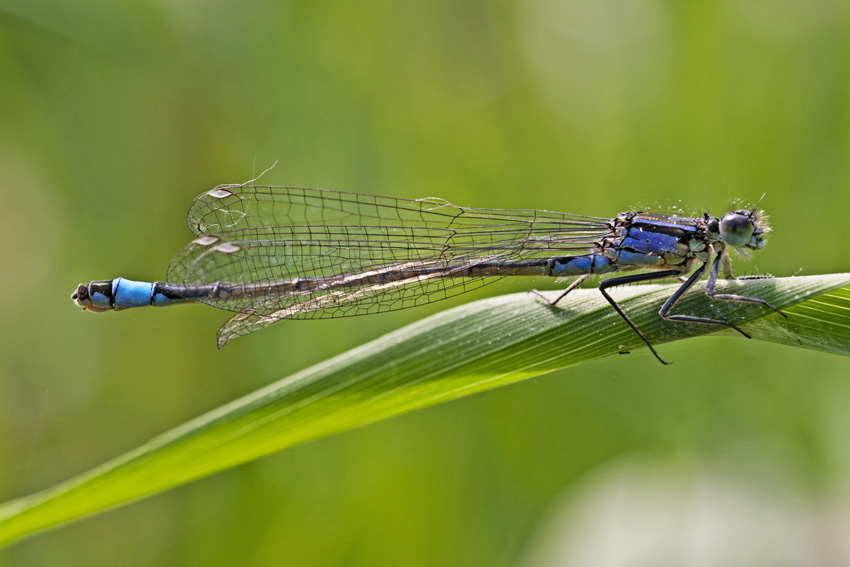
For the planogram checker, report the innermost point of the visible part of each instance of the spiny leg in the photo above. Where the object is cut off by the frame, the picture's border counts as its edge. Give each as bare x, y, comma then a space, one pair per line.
712, 279
578, 281
634, 279
673, 299
709, 291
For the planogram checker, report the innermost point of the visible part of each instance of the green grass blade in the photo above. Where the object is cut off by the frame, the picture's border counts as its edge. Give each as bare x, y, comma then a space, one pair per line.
461, 351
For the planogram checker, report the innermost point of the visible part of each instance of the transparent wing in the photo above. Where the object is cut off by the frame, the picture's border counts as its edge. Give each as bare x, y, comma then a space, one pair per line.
308, 253
245, 206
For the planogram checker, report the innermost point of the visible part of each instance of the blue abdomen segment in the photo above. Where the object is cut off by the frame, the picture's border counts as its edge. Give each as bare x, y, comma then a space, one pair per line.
580, 265
122, 293
127, 293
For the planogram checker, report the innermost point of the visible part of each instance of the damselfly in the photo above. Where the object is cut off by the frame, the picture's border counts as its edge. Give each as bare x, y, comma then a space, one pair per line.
271, 253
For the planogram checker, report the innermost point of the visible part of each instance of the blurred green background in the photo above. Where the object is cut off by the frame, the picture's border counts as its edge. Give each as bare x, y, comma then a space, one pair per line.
114, 116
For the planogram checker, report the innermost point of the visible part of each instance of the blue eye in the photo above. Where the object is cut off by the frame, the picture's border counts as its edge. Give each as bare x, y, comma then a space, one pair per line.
736, 229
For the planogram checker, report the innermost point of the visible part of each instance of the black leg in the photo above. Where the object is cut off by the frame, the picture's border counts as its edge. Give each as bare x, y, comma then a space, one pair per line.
668, 305
709, 291
634, 279
672, 300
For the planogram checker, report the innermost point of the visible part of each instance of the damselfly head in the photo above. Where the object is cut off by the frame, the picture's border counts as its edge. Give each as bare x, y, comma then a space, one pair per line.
744, 229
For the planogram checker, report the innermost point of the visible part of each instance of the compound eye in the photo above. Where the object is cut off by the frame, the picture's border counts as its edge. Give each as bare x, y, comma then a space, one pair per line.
736, 229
